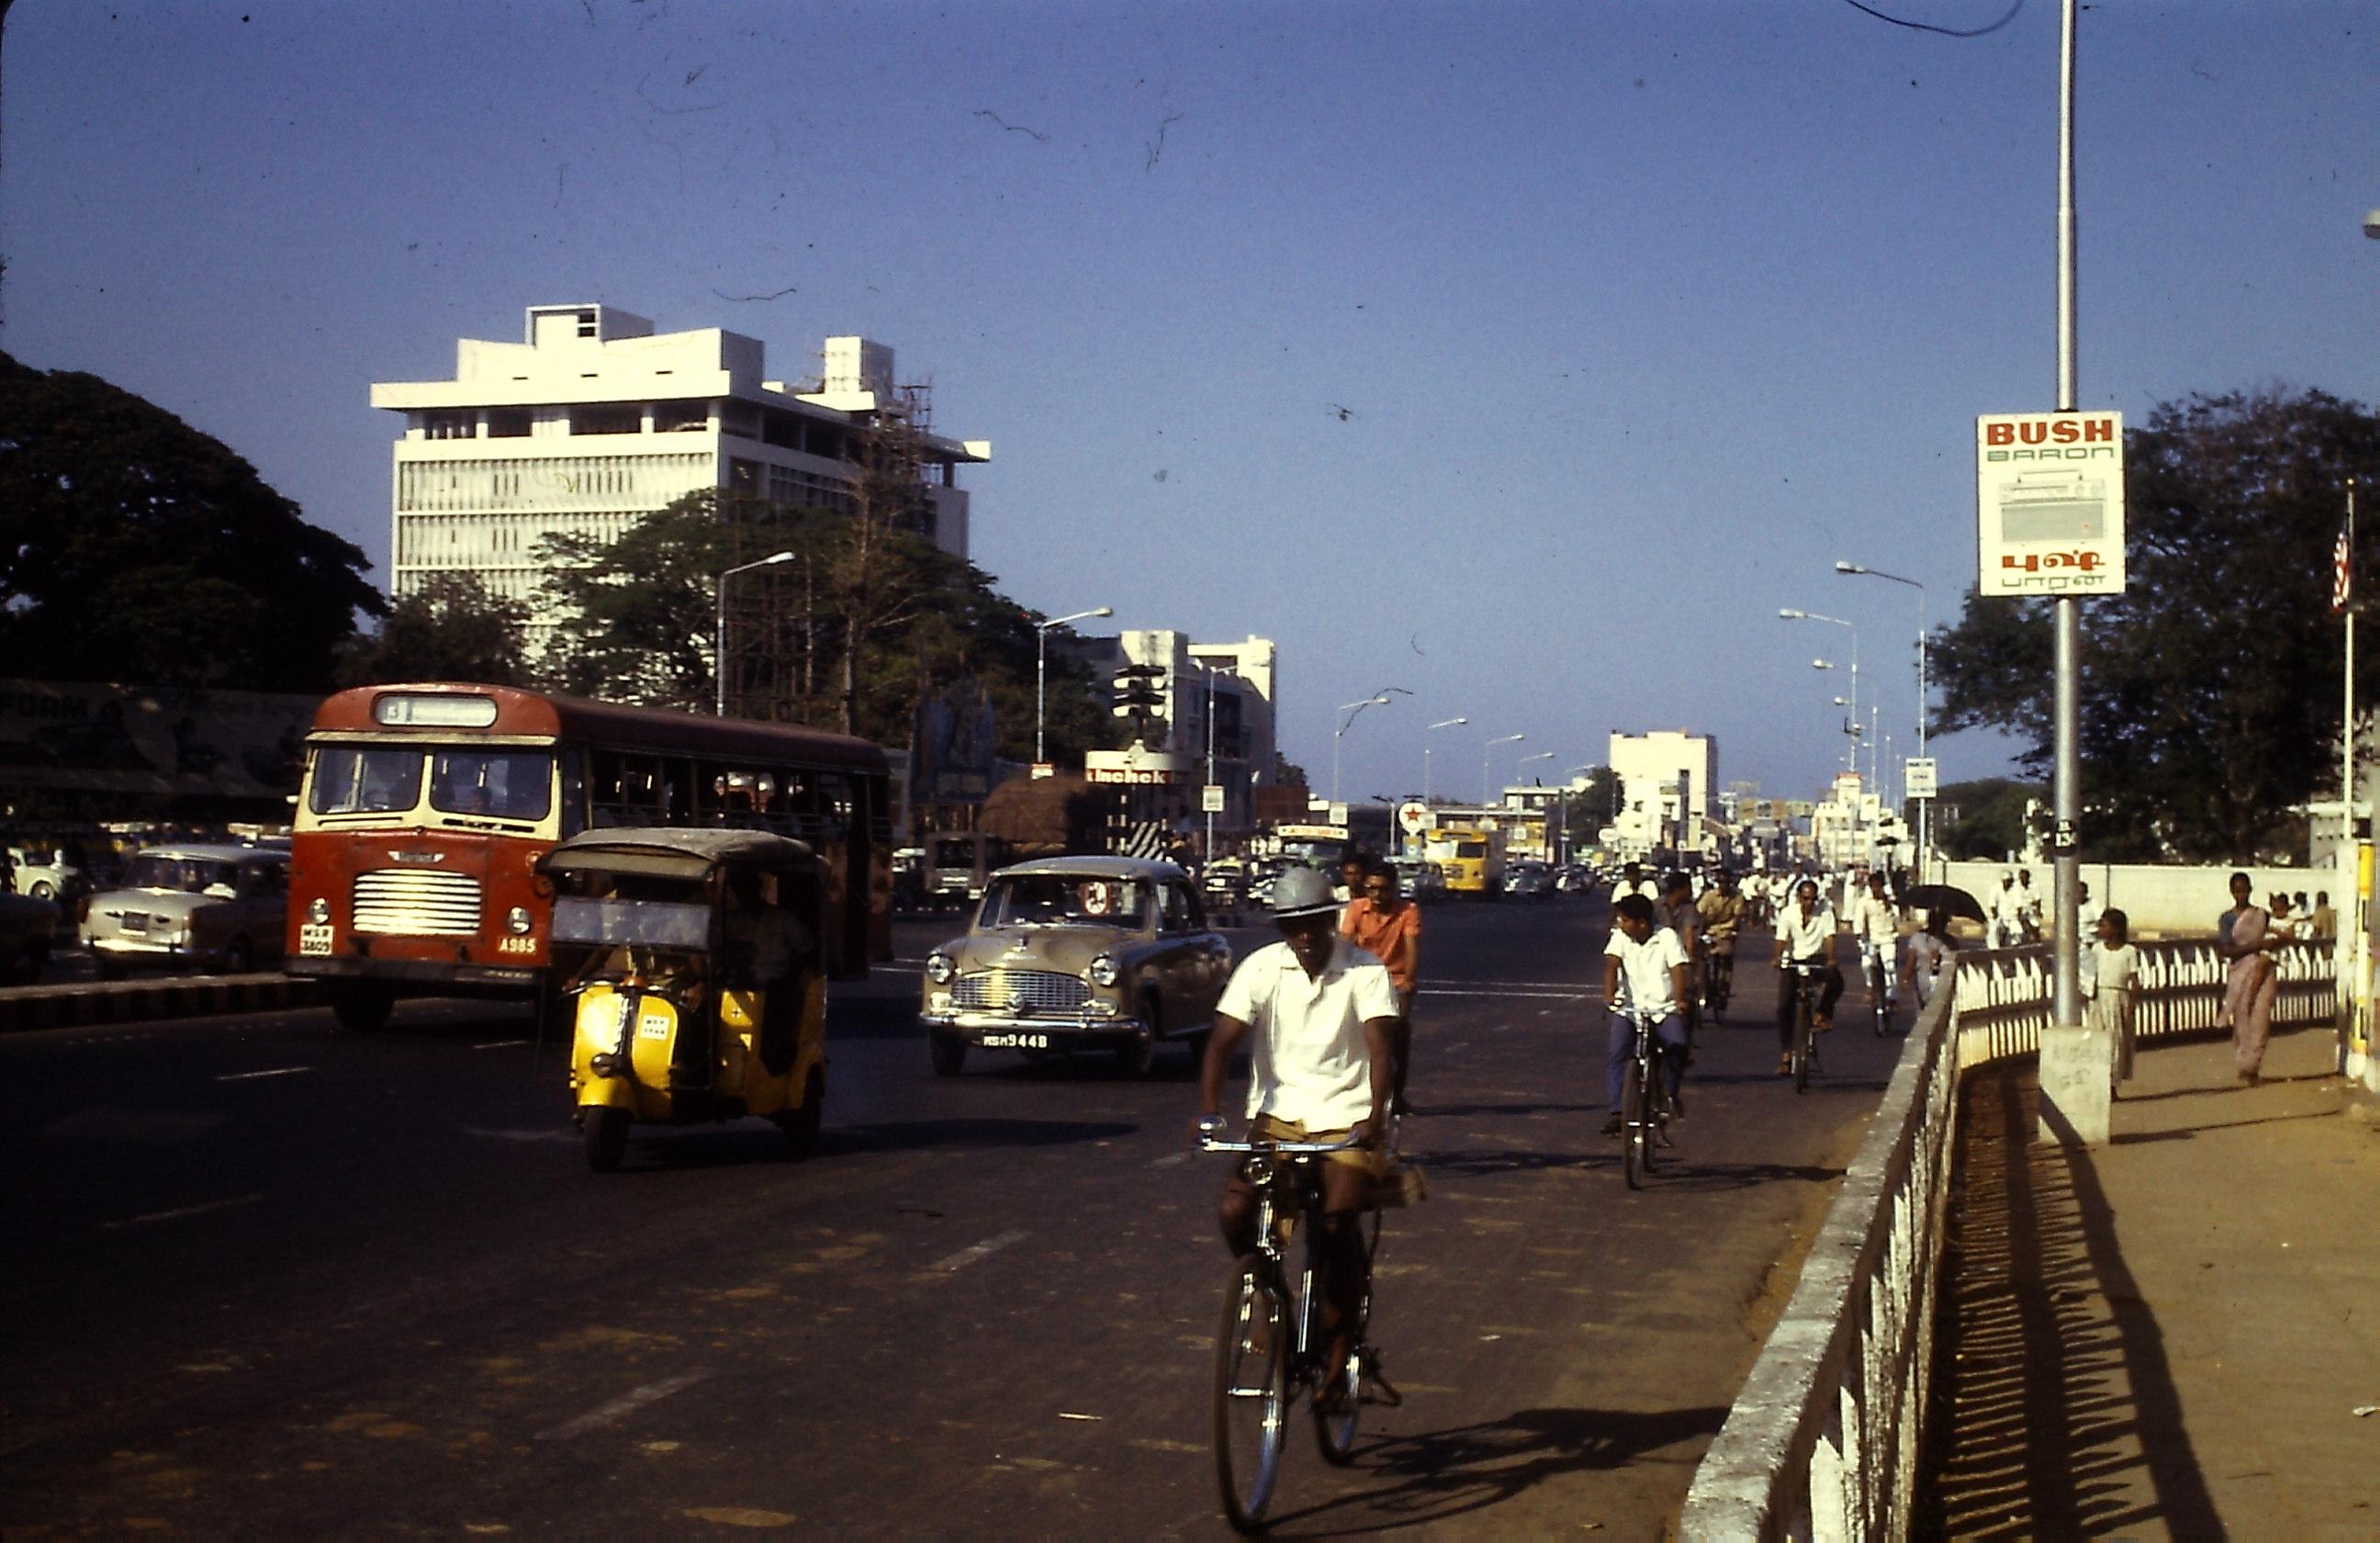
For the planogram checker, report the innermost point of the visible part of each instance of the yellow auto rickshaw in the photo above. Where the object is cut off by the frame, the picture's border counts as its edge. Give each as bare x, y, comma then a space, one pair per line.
690, 962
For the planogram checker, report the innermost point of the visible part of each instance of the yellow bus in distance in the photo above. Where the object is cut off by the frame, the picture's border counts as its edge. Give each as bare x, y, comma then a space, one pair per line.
1473, 861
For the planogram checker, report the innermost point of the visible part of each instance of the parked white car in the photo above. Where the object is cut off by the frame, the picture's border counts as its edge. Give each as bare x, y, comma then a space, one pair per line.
219, 907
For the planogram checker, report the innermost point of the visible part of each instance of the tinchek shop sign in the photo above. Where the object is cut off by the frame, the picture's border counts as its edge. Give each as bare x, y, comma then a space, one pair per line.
2049, 504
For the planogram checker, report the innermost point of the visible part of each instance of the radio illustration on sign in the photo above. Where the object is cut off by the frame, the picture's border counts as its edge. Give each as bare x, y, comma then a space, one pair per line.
2049, 504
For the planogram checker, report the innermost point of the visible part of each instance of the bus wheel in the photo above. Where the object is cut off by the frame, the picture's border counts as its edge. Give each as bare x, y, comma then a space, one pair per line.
362, 1009
606, 1135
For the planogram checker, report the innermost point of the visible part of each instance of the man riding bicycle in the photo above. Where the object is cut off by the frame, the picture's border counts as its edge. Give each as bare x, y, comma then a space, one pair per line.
1650, 961
1722, 911
1875, 926
1321, 1011
1805, 935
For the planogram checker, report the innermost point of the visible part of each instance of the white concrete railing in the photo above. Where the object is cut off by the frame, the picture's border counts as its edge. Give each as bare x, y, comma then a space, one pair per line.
1825, 1439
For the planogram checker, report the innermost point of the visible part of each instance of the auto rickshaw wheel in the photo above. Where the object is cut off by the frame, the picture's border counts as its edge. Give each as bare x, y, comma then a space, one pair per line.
605, 1131
802, 1126
950, 1053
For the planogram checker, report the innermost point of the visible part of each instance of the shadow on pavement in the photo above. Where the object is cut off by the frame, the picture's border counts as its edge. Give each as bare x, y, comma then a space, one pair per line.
2051, 1373
915, 1135
2192, 1133
1439, 1475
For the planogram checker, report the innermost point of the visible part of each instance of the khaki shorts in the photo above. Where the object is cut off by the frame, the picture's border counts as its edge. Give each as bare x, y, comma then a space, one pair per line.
1268, 1127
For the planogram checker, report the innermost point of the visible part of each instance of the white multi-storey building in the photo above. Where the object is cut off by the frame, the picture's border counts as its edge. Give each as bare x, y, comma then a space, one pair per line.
1664, 782
1234, 682
595, 421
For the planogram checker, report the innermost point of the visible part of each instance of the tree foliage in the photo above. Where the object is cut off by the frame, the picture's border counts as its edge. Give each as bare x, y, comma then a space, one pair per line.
2210, 689
134, 548
452, 630
1984, 821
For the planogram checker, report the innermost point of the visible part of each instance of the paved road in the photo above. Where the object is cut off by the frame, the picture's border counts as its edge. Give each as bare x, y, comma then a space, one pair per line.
267, 1278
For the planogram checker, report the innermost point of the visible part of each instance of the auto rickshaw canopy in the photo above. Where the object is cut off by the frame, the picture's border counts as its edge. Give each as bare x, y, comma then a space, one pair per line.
675, 853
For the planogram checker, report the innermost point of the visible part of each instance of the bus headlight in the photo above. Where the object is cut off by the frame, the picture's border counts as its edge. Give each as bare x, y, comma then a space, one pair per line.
1104, 970
317, 910
939, 968
517, 922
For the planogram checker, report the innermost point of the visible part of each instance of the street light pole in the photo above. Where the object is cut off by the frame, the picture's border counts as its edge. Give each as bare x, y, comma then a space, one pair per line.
1041, 671
1486, 758
719, 634
1924, 700
1441, 723
1379, 699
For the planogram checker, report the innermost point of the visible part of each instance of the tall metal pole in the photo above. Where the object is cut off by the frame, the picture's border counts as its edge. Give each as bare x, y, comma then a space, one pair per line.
2067, 792
1040, 690
1925, 706
1210, 854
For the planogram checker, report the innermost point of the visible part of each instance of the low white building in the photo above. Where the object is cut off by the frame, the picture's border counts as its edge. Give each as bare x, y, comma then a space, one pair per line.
594, 421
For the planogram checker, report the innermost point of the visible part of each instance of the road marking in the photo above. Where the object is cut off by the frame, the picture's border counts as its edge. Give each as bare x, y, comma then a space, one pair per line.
1573, 995
626, 1403
518, 1136
1538, 985
1170, 1158
275, 1072
499, 1044
180, 1212
968, 1256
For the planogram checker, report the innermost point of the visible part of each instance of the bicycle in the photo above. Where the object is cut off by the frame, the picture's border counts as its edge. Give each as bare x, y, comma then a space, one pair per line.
1879, 991
1644, 1111
1805, 1012
1720, 982
1273, 1347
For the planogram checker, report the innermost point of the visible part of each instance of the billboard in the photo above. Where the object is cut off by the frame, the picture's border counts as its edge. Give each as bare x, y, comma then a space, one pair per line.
2049, 504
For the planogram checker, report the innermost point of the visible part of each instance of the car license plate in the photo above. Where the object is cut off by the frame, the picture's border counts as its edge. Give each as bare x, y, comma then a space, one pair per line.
1017, 1041
315, 939
134, 922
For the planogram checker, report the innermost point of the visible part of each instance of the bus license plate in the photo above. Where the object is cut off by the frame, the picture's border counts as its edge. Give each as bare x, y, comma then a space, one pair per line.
314, 939
1017, 1041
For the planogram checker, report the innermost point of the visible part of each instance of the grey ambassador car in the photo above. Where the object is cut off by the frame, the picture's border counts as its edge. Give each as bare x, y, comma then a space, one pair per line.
1069, 953
218, 907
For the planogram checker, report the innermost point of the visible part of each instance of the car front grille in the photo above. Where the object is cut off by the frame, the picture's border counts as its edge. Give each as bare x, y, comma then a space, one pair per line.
410, 903
1020, 992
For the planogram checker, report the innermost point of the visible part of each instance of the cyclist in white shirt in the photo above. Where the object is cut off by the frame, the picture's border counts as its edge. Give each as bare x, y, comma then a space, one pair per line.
1875, 925
1806, 934
1645, 968
1319, 1012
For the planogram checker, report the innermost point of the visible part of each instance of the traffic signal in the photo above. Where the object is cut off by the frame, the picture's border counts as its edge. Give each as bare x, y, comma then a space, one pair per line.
1139, 690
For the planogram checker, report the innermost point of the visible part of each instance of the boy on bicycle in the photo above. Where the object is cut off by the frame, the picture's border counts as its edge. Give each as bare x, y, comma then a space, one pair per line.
1875, 925
1321, 1011
1644, 969
1722, 911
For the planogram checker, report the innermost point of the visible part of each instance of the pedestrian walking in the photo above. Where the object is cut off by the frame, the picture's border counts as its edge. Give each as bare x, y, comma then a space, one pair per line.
2114, 982
2243, 937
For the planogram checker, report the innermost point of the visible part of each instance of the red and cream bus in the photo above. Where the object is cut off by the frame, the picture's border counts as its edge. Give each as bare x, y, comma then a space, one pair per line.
425, 809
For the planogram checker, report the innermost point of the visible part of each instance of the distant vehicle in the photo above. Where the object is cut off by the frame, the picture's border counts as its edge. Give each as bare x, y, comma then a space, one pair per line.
1322, 847
908, 878
43, 874
1529, 880
1225, 882
1418, 879
27, 927
1574, 878
957, 867
1472, 860
1071, 954
1261, 874
219, 907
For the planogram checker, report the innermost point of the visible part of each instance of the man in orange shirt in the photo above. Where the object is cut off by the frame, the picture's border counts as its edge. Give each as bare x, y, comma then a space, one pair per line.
1386, 925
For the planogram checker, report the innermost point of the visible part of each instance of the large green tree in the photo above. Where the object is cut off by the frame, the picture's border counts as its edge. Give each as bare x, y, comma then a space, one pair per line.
2210, 688
453, 629
134, 548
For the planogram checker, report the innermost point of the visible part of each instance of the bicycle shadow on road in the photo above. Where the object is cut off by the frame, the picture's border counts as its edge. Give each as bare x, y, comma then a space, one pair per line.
1436, 1476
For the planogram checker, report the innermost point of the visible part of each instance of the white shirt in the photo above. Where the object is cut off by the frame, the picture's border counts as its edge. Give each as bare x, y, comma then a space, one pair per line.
1874, 921
1805, 937
1306, 1054
1645, 887
1646, 982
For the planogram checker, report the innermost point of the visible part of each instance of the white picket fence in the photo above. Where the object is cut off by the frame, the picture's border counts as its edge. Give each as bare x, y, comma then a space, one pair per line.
1823, 1440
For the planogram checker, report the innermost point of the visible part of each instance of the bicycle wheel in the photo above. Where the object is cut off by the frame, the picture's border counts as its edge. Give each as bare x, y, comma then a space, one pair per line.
1801, 1043
1636, 1124
1722, 983
1334, 1430
1251, 1392
1879, 1000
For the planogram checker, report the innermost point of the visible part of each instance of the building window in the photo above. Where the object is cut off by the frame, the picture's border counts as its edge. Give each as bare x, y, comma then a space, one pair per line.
450, 425
681, 418
508, 423
740, 419
782, 429
586, 323
607, 417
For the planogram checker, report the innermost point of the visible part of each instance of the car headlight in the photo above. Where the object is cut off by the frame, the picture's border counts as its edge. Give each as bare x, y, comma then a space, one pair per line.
939, 968
516, 920
1103, 971
318, 911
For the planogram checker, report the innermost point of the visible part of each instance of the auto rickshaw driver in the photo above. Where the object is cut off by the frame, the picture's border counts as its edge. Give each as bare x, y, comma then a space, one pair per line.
768, 947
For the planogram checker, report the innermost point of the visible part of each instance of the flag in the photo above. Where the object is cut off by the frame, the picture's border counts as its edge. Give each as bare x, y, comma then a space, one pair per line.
2342, 570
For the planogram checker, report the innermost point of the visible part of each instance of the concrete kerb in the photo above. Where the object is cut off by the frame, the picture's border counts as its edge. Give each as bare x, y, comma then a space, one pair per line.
124, 1002
1748, 1484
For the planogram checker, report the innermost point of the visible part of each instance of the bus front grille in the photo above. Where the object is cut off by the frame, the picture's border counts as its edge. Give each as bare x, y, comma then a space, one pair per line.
410, 903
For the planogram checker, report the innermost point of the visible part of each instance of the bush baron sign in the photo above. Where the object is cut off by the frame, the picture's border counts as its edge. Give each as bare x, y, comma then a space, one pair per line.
2049, 504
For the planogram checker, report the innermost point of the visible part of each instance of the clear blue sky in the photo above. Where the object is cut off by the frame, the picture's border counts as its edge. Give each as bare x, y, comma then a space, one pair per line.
1527, 356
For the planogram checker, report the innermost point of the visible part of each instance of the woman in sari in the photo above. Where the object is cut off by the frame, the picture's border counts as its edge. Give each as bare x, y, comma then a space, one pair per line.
2244, 936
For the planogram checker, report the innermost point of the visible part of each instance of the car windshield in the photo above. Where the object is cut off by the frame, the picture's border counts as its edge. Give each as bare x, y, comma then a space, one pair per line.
1065, 900
188, 875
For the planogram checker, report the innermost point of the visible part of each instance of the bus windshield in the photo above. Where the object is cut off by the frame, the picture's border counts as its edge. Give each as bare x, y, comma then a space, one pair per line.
352, 779
504, 784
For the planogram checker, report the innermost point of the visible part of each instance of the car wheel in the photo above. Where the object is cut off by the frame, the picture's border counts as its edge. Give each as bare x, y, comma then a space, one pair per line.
41, 889
239, 957
362, 1009
950, 1054
1137, 1057
106, 966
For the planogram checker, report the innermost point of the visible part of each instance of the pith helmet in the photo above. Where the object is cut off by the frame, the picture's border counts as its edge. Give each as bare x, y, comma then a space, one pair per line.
1302, 892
